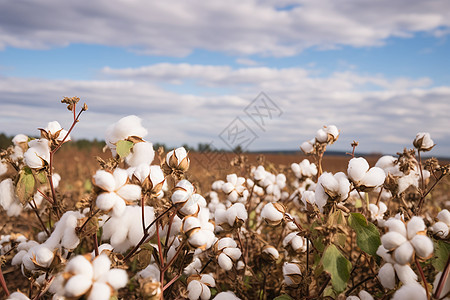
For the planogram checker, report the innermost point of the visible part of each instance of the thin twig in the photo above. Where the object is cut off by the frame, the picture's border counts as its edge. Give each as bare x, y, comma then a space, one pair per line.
3, 282
422, 275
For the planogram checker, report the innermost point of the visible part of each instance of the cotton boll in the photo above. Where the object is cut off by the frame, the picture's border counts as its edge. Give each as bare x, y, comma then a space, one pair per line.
125, 127
117, 278
413, 291
357, 168
194, 267
405, 274
386, 275
321, 136
423, 246
99, 291
233, 253
194, 290
8, 198
308, 146
444, 216
414, 226
44, 256
440, 229
38, 154
141, 153
423, 142
291, 273
77, 285
273, 213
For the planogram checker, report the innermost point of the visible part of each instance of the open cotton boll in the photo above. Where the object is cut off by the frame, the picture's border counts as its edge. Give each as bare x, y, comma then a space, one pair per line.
225, 262
321, 136
80, 265
101, 265
55, 130
273, 213
423, 141
308, 146
373, 178
195, 290
141, 153
236, 212
151, 271
291, 274
412, 291
440, 229
444, 216
104, 180
392, 240
396, 225
37, 154
125, 127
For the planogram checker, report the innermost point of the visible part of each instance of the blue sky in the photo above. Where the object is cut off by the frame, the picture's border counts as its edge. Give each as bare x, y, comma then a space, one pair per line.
190, 69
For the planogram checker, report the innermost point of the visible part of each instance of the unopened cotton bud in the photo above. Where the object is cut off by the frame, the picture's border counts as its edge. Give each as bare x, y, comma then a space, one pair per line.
423, 142
273, 213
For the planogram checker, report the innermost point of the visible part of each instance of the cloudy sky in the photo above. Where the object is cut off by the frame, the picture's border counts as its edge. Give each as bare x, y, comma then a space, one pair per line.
194, 70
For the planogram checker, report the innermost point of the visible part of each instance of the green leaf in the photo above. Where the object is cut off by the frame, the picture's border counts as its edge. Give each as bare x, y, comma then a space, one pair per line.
123, 148
26, 185
367, 234
441, 255
337, 266
283, 297
41, 177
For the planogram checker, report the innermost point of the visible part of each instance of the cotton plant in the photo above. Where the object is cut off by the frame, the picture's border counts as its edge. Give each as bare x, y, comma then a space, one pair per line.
114, 191
90, 277
442, 226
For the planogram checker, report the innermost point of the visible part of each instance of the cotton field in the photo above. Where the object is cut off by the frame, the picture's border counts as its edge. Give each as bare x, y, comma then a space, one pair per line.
142, 228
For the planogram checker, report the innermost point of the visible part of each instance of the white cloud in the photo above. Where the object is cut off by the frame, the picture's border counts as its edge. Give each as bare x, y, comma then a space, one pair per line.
382, 118
238, 27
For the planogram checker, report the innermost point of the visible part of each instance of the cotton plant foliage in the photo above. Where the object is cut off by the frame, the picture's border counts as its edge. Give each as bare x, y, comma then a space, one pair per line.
151, 226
